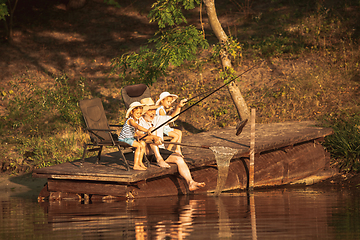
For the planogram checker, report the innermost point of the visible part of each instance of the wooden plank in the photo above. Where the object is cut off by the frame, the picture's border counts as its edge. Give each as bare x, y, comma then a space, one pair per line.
299, 162
252, 149
107, 170
81, 187
92, 171
118, 178
165, 186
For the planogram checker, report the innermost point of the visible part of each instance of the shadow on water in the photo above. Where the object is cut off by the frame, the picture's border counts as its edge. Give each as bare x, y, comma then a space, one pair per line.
23, 186
275, 214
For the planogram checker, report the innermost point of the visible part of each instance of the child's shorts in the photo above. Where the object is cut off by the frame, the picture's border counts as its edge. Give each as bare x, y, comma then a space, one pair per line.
167, 129
129, 141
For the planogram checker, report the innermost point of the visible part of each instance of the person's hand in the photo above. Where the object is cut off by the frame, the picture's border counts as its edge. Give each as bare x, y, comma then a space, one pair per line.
182, 102
150, 130
157, 140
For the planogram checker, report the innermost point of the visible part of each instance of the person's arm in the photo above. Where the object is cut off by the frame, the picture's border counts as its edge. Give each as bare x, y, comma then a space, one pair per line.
162, 112
138, 127
150, 139
177, 109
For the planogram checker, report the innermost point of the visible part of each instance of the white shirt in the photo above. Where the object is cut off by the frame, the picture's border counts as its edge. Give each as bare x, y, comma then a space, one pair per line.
158, 120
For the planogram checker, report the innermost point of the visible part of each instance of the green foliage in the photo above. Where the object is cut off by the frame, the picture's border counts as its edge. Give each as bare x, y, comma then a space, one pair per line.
219, 112
48, 151
112, 3
172, 47
344, 144
180, 43
3, 10
227, 75
168, 12
46, 122
312, 32
275, 45
40, 111
232, 47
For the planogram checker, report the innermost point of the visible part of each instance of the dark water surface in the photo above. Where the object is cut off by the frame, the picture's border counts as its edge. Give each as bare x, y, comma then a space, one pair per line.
274, 214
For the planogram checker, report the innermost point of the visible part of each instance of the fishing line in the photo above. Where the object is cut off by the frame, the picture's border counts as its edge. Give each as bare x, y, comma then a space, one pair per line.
221, 86
188, 100
198, 101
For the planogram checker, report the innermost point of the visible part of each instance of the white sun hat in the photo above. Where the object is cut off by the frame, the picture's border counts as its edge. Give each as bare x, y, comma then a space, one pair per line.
164, 95
149, 105
132, 106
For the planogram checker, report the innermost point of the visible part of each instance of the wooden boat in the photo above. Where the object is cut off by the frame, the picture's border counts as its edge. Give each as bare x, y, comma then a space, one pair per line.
285, 153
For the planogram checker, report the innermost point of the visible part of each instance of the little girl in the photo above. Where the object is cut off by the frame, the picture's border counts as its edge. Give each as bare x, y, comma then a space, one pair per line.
128, 131
165, 101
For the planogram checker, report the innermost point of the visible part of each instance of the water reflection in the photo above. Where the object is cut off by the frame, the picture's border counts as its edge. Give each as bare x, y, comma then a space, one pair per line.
275, 214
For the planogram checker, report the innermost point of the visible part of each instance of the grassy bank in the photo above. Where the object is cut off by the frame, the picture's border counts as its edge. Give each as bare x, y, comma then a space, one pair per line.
309, 70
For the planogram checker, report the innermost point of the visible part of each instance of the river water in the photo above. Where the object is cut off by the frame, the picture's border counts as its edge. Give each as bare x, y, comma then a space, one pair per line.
286, 213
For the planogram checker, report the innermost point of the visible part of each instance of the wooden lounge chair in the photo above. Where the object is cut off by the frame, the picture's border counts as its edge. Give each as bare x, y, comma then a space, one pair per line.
134, 93
99, 129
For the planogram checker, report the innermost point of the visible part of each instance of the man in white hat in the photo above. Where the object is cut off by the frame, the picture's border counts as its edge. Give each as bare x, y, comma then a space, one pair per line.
150, 121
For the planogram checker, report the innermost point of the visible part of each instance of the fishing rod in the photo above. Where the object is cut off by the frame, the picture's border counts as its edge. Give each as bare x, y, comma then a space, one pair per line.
188, 100
222, 86
199, 101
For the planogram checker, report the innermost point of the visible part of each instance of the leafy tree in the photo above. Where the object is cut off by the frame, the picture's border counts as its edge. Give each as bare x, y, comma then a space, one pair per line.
7, 15
176, 42
3, 10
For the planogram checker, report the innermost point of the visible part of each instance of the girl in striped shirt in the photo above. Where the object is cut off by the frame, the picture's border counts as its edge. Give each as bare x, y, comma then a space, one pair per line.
128, 132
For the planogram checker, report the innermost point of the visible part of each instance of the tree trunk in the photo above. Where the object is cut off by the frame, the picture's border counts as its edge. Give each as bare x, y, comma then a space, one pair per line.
9, 24
235, 93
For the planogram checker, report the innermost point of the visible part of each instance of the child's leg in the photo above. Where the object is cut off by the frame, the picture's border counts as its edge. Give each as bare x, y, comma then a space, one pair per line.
178, 147
138, 155
175, 138
143, 148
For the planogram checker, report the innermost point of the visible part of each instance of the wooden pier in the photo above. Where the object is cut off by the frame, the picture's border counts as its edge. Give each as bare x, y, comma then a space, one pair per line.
284, 153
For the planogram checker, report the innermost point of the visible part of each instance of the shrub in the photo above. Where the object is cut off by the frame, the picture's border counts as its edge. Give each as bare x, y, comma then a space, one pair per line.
344, 144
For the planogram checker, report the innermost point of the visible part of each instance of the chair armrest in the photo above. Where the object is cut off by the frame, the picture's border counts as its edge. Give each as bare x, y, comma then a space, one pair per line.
104, 130
116, 125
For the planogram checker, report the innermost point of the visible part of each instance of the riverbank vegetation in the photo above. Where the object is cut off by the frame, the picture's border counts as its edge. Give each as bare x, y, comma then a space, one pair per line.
307, 53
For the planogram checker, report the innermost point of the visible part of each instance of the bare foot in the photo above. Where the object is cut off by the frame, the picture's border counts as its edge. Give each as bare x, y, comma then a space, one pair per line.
196, 185
143, 166
139, 168
163, 164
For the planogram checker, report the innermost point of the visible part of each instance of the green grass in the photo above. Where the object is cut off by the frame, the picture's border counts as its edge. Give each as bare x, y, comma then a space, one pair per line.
344, 144
43, 124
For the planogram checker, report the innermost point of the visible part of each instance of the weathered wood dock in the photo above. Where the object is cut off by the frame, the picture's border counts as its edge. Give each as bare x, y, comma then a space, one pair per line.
285, 153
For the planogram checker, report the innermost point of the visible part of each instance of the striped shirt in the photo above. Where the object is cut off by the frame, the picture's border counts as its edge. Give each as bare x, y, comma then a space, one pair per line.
127, 131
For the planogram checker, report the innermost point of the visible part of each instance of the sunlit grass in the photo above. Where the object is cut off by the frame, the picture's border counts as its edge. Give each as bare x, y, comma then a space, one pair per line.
344, 144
